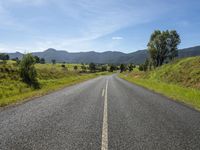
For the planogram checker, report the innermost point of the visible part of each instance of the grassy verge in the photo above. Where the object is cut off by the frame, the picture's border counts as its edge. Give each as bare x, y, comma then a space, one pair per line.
187, 95
13, 91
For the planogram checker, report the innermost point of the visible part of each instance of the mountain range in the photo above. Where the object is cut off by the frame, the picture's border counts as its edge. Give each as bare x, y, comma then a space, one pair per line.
111, 57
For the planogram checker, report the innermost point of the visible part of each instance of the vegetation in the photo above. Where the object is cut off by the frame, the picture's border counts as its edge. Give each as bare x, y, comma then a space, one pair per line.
50, 77
4, 56
162, 46
113, 68
179, 80
92, 67
122, 68
53, 61
75, 68
27, 70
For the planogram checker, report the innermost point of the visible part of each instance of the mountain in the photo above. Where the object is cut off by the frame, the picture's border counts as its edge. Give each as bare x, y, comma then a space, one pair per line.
114, 57
189, 52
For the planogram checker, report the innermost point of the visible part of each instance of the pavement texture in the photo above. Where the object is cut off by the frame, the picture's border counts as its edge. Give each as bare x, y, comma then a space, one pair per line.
72, 118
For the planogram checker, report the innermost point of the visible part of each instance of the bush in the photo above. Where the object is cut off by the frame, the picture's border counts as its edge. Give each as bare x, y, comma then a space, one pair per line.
92, 67
28, 72
122, 68
75, 68
63, 65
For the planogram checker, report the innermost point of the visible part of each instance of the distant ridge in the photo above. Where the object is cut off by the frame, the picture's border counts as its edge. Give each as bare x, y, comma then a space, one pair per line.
113, 57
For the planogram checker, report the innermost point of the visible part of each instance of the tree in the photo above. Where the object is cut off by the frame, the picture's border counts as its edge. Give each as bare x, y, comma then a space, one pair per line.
130, 67
112, 68
92, 67
63, 65
53, 61
145, 66
28, 72
122, 67
162, 46
4, 56
75, 68
103, 68
141, 67
42, 61
83, 68
37, 59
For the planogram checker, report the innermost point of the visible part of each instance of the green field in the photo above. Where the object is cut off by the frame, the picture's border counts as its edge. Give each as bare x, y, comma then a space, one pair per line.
179, 80
51, 78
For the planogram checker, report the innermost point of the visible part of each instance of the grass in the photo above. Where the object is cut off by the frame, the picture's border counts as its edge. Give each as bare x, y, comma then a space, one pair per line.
179, 80
51, 78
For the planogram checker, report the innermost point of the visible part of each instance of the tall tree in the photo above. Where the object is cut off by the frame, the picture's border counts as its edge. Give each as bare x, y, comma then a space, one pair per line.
163, 45
122, 67
92, 67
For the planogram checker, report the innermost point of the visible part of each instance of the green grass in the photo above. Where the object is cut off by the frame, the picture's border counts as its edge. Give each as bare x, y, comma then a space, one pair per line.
173, 80
51, 78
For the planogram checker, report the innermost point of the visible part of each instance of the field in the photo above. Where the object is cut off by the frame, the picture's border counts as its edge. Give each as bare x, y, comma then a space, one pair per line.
51, 77
179, 80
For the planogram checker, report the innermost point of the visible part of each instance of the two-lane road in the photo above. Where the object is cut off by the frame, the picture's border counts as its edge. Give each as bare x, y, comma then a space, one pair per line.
102, 113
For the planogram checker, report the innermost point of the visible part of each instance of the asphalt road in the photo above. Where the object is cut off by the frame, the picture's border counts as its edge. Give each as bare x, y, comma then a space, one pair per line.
102, 113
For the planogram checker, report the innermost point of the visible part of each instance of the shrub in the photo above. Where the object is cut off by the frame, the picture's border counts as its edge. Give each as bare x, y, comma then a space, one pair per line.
28, 72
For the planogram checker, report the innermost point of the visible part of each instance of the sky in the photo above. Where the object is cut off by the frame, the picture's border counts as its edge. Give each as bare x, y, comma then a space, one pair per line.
94, 25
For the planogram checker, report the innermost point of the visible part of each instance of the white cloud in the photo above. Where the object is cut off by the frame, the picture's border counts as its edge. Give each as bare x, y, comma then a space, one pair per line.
94, 18
117, 38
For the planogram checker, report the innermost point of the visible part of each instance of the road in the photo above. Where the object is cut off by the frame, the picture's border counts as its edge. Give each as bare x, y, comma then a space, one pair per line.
100, 114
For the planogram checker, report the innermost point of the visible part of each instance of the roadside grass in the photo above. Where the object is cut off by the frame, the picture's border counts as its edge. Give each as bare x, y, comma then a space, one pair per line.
51, 78
179, 80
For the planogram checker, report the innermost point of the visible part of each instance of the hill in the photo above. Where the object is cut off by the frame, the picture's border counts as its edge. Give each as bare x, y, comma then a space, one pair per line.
112, 57
179, 80
51, 77
184, 72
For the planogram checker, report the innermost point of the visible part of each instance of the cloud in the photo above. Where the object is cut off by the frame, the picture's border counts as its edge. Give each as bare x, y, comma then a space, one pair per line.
117, 38
91, 19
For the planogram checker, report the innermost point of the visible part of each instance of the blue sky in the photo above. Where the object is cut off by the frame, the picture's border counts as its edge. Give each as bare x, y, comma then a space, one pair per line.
94, 25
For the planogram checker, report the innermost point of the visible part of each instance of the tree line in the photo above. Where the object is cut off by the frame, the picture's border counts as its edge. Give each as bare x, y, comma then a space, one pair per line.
162, 48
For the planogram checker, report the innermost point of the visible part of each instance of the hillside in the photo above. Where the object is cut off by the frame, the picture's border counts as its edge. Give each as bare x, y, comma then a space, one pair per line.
184, 72
112, 57
51, 77
179, 80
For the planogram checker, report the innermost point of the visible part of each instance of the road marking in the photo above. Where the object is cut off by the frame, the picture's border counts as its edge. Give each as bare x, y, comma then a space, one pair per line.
103, 91
104, 142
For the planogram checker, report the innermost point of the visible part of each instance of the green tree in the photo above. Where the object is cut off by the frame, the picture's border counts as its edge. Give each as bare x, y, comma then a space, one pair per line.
92, 67
42, 61
103, 68
83, 68
141, 67
4, 57
122, 68
75, 68
145, 66
37, 59
162, 46
112, 68
53, 61
28, 72
130, 67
